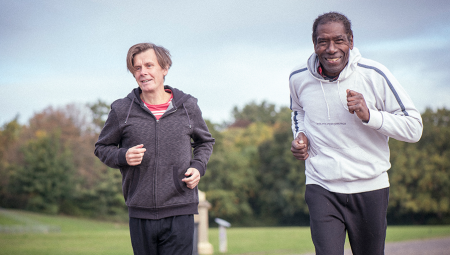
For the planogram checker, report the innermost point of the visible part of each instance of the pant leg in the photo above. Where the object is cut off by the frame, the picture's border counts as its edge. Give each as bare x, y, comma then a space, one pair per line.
143, 236
366, 221
176, 236
326, 220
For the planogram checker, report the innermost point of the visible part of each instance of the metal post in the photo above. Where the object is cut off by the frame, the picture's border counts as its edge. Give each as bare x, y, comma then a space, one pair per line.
223, 244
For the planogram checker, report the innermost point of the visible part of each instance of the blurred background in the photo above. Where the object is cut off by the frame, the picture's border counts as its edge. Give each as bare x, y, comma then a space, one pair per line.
62, 63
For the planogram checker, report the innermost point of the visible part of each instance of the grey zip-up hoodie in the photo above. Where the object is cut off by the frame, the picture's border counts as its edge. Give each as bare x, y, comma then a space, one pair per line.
154, 189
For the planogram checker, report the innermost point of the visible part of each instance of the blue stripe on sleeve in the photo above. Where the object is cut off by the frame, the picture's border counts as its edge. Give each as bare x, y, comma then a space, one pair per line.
399, 101
298, 71
295, 121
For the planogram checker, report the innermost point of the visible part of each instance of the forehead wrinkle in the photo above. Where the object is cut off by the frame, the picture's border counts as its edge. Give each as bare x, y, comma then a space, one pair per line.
331, 37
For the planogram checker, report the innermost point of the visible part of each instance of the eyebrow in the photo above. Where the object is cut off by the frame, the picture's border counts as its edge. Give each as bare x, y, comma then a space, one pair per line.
331, 38
146, 63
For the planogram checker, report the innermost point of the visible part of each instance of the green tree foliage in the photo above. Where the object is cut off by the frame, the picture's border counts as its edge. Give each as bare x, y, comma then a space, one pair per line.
253, 112
45, 178
53, 168
230, 182
252, 178
9, 135
99, 111
420, 173
281, 200
103, 199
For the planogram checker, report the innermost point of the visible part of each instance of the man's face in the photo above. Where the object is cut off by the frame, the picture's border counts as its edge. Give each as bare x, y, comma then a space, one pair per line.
333, 47
149, 74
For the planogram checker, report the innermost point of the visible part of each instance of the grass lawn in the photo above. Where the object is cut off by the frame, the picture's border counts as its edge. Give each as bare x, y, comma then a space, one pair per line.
83, 236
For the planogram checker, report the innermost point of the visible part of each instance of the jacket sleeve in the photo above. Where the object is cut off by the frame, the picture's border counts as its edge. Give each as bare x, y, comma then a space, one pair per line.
399, 119
298, 114
107, 147
202, 142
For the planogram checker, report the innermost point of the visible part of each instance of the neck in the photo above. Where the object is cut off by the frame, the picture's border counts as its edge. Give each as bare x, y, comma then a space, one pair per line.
155, 97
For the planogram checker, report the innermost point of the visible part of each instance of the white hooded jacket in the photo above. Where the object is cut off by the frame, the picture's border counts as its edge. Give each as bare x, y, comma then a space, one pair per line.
345, 154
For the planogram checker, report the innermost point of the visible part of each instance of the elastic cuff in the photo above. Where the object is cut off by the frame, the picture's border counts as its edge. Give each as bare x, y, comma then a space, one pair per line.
302, 131
122, 157
376, 119
197, 165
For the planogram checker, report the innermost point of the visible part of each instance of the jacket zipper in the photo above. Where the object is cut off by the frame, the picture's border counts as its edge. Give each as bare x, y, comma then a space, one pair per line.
156, 158
156, 163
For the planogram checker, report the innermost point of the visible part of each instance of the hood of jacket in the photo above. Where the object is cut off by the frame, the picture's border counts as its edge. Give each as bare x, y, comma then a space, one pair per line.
179, 97
353, 59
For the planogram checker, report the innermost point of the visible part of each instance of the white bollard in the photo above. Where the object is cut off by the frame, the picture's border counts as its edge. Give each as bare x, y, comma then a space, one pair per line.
223, 244
204, 246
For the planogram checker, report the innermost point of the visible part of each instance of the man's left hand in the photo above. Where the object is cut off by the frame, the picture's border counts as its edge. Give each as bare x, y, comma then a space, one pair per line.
357, 104
192, 178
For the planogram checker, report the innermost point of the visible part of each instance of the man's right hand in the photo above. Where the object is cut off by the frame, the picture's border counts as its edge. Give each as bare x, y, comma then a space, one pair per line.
135, 154
299, 147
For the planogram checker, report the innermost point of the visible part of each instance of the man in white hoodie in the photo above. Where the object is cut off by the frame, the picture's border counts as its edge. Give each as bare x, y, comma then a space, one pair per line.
345, 108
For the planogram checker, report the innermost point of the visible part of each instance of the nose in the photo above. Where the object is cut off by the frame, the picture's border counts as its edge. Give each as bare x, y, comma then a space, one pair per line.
142, 71
331, 48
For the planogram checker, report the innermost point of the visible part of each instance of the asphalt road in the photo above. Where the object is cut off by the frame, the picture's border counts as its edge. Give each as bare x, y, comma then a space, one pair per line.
438, 246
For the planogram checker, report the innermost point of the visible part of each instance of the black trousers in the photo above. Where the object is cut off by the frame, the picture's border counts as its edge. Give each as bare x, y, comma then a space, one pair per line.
167, 236
362, 215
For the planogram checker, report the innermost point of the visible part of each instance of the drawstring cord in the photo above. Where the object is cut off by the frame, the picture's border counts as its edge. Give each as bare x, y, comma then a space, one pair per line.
340, 99
189, 119
129, 110
132, 101
328, 108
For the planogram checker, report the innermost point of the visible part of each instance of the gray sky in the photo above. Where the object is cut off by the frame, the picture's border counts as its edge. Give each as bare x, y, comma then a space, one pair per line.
225, 53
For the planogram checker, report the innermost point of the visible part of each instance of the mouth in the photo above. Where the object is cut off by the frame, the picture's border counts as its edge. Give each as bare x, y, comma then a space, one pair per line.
145, 81
332, 60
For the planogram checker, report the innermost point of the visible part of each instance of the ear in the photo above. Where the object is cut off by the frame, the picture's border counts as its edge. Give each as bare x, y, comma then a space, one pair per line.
351, 42
165, 71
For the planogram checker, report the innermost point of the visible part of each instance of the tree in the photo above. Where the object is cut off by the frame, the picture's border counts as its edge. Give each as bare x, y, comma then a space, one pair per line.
252, 112
45, 177
281, 200
420, 173
99, 111
9, 135
230, 180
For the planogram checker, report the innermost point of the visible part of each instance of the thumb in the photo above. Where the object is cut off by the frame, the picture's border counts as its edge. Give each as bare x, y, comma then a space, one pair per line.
138, 146
188, 172
349, 93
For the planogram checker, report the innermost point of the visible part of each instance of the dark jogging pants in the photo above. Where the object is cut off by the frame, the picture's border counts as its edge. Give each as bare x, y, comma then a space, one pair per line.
167, 236
362, 215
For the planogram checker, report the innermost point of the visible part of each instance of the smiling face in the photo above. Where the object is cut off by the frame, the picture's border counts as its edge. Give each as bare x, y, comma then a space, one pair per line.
333, 47
148, 73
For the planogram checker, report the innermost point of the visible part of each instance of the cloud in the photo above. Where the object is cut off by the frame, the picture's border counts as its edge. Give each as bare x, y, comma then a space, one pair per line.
225, 53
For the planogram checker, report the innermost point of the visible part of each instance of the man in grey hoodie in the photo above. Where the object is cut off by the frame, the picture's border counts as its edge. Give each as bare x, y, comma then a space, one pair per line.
158, 139
345, 109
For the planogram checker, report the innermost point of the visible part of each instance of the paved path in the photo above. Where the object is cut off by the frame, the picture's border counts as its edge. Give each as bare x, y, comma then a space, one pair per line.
438, 246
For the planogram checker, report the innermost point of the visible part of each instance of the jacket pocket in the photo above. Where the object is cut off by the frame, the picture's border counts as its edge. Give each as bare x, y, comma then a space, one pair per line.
176, 182
171, 190
130, 181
